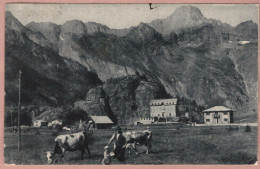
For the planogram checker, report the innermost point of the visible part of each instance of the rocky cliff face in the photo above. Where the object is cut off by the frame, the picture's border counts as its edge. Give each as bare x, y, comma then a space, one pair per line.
47, 78
247, 30
183, 17
193, 57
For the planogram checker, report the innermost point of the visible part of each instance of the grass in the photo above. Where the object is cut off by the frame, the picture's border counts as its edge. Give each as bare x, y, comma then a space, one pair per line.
200, 145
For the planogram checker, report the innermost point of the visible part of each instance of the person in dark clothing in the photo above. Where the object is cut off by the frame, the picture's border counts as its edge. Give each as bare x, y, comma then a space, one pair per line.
119, 144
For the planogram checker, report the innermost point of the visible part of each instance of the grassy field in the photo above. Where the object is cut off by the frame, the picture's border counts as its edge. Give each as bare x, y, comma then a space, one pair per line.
171, 145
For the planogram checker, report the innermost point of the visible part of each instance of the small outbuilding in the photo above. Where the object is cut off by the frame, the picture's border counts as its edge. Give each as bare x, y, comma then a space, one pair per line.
218, 115
40, 123
101, 122
55, 122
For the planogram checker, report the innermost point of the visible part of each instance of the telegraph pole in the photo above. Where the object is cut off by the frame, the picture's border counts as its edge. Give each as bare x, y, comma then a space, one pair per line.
190, 115
19, 113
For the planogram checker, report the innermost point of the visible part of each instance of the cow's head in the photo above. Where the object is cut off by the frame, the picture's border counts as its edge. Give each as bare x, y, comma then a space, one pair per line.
49, 155
129, 147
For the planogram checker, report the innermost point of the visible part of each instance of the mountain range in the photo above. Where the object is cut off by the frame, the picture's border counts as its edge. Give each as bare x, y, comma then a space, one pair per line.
117, 72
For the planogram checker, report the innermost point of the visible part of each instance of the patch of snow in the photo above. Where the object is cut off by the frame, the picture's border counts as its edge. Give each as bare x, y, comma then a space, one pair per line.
62, 38
243, 42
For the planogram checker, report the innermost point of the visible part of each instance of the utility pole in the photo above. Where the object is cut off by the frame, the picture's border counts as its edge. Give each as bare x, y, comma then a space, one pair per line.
190, 115
19, 113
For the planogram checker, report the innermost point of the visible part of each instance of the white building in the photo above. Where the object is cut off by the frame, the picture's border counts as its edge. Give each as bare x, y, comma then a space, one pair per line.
55, 122
163, 108
218, 115
146, 120
40, 123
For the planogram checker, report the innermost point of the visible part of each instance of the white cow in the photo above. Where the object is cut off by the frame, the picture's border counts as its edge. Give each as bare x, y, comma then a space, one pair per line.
69, 142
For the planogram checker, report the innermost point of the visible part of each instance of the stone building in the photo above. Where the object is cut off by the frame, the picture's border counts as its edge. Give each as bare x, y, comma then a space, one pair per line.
163, 108
218, 115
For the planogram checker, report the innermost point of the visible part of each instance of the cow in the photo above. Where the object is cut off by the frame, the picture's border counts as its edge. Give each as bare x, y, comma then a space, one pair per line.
69, 142
138, 138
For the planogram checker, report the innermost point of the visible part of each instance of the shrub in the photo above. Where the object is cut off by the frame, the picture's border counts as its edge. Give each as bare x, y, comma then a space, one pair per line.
248, 128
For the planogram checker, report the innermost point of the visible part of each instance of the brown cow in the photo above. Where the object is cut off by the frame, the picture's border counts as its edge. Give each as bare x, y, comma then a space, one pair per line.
134, 138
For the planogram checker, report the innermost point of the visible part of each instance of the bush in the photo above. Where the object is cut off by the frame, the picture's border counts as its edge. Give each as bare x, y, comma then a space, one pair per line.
248, 128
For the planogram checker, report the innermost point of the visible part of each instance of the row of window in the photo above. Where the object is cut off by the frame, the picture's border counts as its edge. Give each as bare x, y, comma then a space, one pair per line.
208, 120
216, 113
160, 115
158, 104
146, 118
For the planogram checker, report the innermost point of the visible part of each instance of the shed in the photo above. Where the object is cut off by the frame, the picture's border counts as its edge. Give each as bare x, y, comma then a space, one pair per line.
40, 123
101, 122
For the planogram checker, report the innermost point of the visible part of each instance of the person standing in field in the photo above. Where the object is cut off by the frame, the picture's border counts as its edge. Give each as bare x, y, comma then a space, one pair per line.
119, 144
107, 157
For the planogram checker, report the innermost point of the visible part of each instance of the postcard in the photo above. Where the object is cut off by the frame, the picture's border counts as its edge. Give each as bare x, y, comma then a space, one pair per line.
130, 84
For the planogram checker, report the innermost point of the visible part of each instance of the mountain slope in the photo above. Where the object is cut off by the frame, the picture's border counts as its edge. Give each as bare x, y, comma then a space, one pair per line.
197, 59
182, 18
47, 78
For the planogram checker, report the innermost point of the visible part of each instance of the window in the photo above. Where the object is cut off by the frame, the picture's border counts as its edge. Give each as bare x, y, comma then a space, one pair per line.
207, 114
158, 115
170, 114
225, 113
225, 119
207, 120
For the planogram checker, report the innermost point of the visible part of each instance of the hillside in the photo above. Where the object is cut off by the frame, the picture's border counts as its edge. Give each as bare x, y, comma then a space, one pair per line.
189, 59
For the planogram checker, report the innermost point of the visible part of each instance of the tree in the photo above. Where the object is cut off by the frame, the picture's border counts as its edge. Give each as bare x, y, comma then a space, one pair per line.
71, 115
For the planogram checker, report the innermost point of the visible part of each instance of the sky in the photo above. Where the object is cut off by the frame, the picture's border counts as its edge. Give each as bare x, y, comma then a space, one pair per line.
120, 16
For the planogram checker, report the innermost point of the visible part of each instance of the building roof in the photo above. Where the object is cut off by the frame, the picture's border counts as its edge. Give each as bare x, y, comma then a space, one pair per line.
163, 102
39, 121
217, 108
101, 119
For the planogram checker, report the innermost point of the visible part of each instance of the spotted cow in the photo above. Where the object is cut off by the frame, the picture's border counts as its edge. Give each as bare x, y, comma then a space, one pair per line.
69, 142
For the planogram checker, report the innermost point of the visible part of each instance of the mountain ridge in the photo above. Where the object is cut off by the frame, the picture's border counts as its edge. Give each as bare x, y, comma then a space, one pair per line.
191, 63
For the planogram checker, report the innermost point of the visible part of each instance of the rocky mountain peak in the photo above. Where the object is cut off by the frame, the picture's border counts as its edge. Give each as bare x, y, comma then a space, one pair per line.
93, 27
73, 26
12, 22
48, 29
247, 30
188, 13
144, 33
246, 23
183, 17
143, 29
